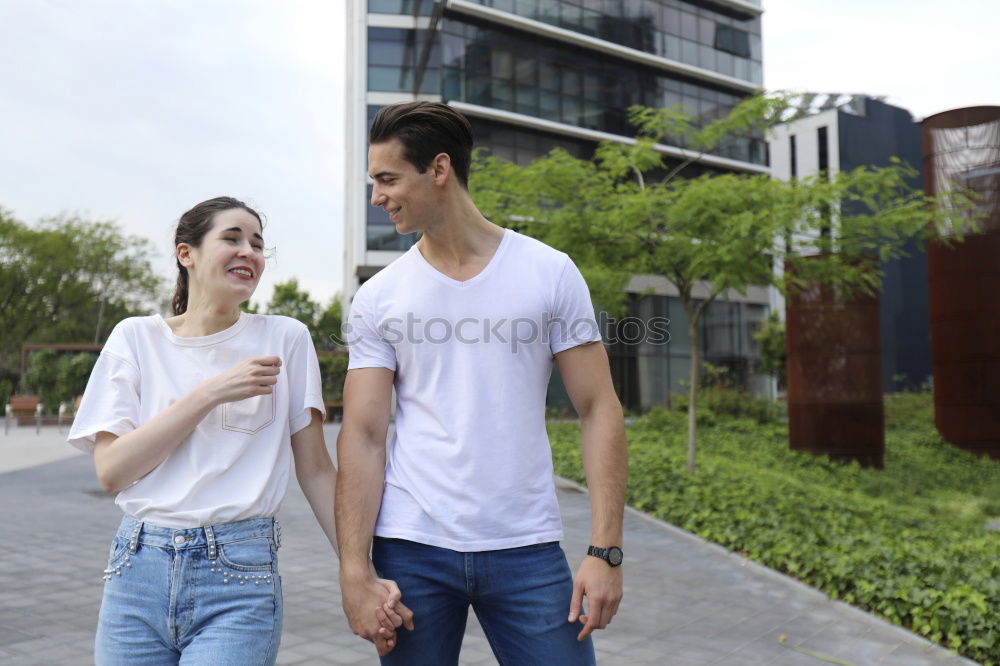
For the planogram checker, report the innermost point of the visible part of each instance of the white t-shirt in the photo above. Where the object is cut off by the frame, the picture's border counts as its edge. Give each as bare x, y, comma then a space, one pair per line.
470, 466
236, 463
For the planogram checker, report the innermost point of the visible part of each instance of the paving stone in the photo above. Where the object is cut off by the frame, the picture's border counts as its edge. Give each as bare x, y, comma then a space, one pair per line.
687, 602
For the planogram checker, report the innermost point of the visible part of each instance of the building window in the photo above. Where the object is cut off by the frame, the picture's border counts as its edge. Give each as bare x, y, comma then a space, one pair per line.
409, 7
794, 161
824, 149
732, 40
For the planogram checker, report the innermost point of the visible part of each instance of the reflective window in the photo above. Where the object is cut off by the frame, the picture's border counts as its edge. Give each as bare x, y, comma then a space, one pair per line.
411, 7
653, 26
507, 70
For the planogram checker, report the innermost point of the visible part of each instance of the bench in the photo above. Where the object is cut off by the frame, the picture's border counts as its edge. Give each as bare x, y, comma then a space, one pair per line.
23, 408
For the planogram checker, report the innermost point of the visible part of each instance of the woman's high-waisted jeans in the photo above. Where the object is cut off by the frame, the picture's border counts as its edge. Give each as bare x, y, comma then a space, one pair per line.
205, 595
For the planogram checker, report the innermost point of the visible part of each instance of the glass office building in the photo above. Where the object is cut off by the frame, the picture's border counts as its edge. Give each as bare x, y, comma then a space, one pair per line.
535, 74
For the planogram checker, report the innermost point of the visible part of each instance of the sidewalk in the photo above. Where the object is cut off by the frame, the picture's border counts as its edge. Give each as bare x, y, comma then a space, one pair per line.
686, 602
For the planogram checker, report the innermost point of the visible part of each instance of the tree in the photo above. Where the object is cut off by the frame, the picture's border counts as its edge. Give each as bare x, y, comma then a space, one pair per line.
324, 326
628, 212
773, 353
329, 326
67, 279
288, 300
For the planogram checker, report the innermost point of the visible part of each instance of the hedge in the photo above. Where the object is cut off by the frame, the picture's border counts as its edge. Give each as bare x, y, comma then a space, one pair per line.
908, 543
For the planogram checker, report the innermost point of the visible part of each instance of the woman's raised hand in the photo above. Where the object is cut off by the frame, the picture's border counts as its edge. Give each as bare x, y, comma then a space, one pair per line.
249, 378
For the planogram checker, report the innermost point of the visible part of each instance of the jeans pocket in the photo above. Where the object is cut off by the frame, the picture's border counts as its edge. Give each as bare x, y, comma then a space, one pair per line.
118, 558
250, 415
248, 555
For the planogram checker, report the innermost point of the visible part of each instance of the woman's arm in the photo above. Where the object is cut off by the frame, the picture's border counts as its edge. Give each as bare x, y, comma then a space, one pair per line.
126, 459
317, 474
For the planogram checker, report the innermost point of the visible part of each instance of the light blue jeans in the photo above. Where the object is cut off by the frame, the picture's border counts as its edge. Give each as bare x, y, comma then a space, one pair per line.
206, 595
520, 595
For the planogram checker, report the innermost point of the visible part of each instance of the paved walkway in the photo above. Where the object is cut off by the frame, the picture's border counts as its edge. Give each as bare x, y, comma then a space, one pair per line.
686, 602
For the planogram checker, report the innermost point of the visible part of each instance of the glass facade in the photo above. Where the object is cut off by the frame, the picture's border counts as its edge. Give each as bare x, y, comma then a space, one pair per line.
727, 42
505, 69
647, 374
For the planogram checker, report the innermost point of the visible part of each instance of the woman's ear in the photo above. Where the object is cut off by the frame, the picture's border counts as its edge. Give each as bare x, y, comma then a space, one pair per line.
184, 257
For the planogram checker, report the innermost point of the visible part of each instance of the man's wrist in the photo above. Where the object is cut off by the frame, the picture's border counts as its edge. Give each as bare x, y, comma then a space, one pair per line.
356, 571
613, 555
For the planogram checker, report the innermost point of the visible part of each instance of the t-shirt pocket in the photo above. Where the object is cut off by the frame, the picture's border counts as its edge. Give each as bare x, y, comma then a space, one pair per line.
250, 415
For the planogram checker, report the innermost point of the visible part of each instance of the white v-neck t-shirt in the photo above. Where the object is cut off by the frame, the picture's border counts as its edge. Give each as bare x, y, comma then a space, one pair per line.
470, 467
236, 463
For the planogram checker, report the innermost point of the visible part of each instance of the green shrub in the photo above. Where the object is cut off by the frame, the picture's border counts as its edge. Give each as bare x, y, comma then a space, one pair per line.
907, 543
333, 370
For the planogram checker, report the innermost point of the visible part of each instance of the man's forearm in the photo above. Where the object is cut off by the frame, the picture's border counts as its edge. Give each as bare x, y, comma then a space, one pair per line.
360, 479
605, 461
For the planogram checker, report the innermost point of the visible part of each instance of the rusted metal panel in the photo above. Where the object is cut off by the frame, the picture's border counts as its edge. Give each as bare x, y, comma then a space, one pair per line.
964, 146
835, 375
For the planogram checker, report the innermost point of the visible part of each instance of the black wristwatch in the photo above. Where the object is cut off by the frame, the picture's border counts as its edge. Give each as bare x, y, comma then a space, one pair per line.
613, 555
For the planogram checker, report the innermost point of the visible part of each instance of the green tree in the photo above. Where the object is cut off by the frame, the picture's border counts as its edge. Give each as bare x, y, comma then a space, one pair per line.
288, 300
328, 327
628, 212
57, 377
67, 279
773, 352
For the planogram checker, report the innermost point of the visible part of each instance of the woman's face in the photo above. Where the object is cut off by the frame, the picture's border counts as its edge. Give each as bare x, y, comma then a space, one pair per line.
229, 262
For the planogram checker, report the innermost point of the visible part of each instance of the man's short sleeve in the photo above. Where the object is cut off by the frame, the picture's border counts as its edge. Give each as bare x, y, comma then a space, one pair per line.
305, 384
111, 400
573, 321
366, 345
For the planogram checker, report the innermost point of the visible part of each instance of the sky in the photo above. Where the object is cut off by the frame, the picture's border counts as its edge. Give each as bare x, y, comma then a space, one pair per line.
135, 111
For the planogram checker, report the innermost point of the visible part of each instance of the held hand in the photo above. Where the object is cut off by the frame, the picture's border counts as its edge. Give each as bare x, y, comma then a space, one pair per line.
374, 611
252, 377
602, 585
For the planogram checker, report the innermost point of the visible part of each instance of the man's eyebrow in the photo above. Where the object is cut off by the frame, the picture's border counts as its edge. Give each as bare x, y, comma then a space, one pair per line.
239, 231
383, 174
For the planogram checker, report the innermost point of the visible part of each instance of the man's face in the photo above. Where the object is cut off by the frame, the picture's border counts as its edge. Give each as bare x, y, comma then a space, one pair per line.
407, 195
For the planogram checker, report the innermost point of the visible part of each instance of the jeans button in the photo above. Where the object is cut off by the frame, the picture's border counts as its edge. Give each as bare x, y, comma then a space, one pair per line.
178, 539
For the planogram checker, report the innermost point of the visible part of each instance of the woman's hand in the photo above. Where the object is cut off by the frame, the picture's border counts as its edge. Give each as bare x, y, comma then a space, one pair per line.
252, 377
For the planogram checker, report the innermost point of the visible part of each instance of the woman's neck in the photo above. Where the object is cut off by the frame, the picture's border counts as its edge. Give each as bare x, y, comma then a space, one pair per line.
202, 318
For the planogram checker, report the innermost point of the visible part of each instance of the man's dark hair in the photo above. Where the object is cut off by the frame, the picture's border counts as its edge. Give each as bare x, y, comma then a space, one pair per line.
426, 129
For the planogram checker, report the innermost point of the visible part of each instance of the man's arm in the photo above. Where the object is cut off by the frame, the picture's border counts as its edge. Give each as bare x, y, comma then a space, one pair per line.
587, 377
360, 479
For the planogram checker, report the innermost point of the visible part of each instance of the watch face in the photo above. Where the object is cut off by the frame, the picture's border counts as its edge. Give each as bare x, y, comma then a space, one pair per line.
614, 556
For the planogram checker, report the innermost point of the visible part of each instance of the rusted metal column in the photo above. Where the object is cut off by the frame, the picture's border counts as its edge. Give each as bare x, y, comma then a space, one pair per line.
963, 146
835, 375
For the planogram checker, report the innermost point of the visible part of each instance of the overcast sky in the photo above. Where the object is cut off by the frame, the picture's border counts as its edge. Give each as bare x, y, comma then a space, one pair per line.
135, 111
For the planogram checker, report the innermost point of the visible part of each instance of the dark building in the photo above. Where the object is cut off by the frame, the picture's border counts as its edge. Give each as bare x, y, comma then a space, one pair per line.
841, 133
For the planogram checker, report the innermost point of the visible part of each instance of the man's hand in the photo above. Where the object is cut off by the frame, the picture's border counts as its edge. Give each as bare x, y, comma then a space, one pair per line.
602, 585
374, 610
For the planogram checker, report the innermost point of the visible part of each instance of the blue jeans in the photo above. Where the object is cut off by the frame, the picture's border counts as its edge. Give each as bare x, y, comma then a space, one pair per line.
206, 595
521, 597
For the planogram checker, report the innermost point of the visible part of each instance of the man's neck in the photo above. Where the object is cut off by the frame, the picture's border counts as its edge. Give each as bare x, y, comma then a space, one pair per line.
460, 237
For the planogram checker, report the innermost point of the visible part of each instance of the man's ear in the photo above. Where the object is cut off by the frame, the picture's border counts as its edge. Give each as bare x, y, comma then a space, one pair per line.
441, 168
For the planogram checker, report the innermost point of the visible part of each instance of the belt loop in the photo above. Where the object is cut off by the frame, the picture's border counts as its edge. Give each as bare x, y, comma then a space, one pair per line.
277, 533
210, 537
133, 541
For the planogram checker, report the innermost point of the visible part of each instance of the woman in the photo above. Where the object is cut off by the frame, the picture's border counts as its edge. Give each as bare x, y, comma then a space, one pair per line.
193, 420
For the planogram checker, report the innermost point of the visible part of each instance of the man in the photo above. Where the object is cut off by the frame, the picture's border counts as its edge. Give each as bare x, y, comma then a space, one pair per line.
465, 326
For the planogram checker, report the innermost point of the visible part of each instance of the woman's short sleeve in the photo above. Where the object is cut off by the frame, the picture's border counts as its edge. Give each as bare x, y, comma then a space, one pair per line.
305, 385
110, 402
